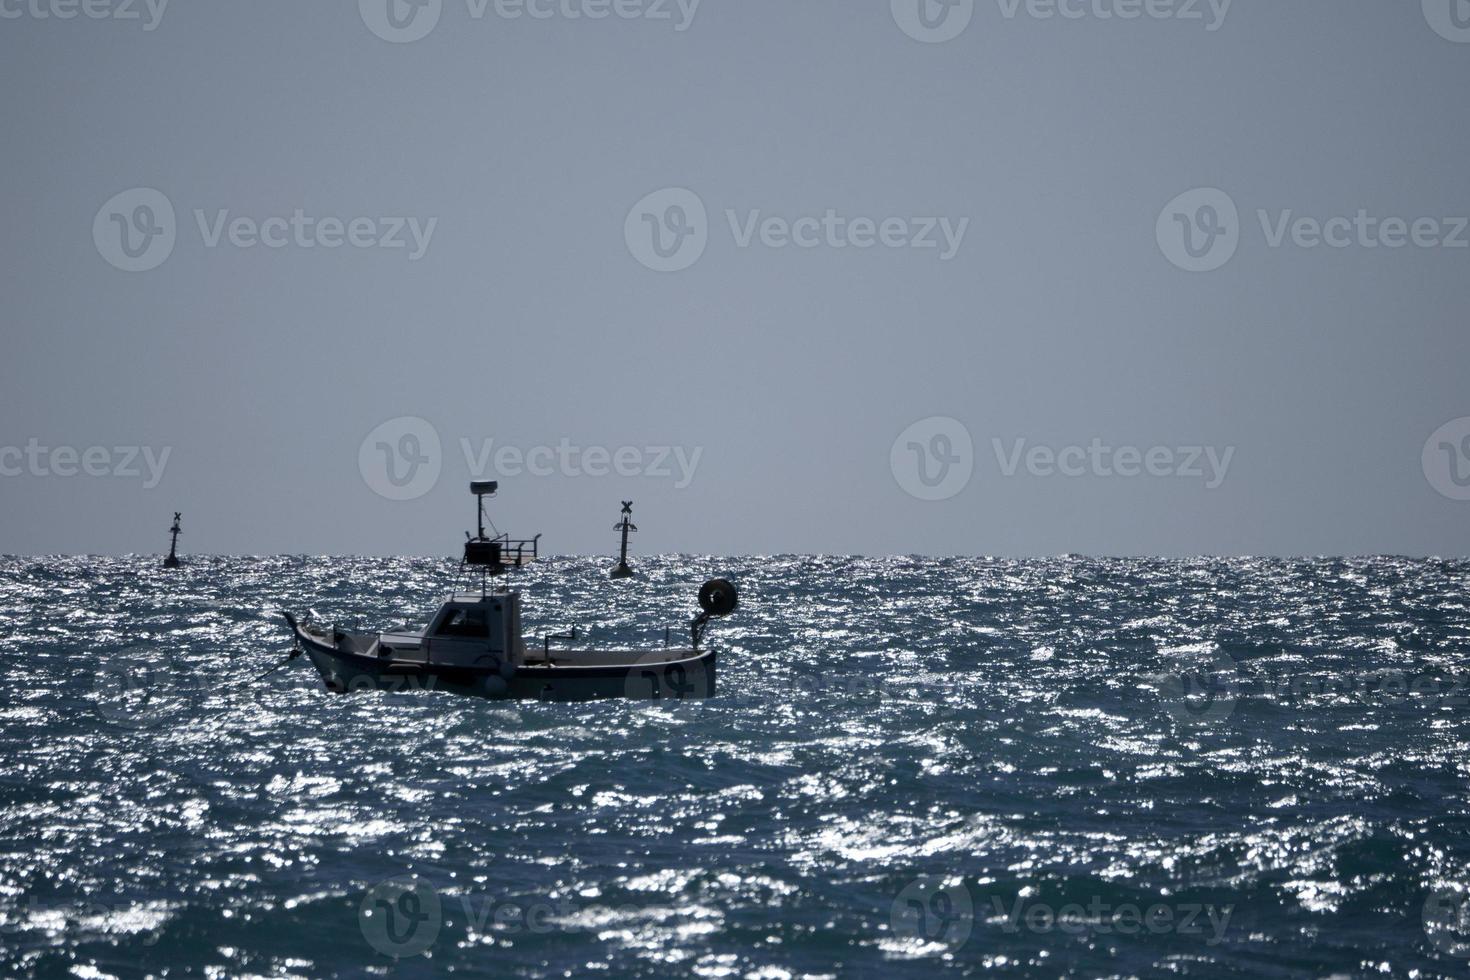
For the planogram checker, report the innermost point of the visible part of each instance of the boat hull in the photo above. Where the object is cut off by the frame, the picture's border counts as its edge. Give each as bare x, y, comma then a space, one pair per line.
648, 677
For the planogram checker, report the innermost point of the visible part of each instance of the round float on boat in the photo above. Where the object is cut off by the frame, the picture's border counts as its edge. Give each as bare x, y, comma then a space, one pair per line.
718, 597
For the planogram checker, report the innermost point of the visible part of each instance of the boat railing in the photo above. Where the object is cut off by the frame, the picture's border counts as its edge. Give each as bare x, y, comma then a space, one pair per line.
518, 552
497, 554
570, 637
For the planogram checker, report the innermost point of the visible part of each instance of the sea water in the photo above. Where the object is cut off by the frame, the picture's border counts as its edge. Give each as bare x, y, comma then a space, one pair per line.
1061, 767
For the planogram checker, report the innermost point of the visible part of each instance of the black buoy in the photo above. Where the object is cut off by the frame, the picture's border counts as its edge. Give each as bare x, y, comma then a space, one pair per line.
172, 561
626, 525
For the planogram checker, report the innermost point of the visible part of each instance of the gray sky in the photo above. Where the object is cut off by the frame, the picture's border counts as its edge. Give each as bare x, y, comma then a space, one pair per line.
1059, 316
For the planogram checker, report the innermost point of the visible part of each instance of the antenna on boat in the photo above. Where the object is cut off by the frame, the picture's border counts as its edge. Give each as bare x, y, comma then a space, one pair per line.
499, 554
172, 561
626, 525
481, 490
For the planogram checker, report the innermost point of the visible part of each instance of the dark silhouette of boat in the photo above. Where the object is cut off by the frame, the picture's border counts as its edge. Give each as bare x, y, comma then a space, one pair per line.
473, 644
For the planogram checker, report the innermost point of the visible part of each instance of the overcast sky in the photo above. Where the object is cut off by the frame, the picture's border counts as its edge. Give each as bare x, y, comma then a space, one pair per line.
1034, 284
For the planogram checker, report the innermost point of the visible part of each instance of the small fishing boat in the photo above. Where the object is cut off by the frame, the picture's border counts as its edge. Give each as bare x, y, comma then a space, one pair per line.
473, 644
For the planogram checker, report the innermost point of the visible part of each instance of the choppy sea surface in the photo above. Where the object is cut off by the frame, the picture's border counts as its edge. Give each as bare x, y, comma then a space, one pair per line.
1065, 767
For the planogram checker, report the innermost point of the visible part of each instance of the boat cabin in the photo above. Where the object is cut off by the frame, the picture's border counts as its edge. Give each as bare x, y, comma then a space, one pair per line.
479, 623
467, 629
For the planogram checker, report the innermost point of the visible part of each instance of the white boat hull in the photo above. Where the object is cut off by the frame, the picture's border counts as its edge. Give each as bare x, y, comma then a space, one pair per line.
659, 674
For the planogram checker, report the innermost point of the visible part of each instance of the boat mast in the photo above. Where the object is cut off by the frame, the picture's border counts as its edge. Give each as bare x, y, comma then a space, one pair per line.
487, 562
499, 554
626, 525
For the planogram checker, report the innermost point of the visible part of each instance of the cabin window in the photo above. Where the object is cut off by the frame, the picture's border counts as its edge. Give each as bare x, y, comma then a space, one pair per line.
467, 623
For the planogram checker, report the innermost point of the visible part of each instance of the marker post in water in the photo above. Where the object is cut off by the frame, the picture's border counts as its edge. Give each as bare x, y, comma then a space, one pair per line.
172, 561
627, 526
